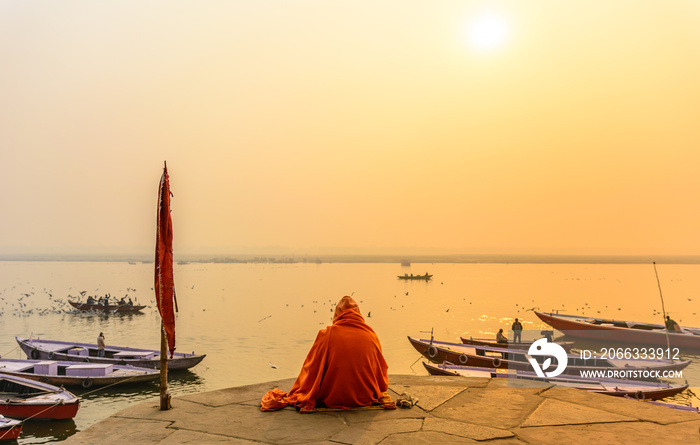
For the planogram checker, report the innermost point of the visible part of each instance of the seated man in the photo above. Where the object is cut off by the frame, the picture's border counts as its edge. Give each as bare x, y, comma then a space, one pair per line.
344, 369
501, 337
671, 325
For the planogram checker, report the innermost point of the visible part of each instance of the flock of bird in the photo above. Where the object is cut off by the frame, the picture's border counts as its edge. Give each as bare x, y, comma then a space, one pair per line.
21, 302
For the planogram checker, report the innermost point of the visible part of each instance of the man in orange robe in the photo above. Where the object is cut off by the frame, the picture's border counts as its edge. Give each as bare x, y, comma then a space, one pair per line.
344, 369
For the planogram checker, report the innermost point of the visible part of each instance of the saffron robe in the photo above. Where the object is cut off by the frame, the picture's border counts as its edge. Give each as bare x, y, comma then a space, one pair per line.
344, 369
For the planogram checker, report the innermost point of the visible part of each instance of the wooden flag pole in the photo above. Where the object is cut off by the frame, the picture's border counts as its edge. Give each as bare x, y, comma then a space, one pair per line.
164, 396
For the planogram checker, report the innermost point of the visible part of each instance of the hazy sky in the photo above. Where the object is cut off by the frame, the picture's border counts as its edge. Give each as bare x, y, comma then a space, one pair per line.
503, 126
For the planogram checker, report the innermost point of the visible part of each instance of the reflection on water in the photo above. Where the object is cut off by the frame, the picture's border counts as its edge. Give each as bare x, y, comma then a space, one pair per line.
44, 431
248, 316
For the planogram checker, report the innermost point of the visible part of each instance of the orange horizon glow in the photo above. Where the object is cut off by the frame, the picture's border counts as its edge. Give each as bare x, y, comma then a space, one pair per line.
307, 125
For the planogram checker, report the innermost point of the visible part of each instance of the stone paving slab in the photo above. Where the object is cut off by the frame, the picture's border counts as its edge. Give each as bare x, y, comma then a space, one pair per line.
451, 410
619, 405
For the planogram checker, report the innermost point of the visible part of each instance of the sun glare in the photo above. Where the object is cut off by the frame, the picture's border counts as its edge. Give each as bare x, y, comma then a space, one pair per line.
487, 32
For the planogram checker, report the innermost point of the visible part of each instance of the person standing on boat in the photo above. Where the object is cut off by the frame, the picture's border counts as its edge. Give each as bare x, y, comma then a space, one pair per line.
671, 325
101, 345
344, 369
517, 329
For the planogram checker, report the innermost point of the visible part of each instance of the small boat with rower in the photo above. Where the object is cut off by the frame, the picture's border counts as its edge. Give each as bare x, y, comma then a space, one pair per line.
69, 373
24, 399
649, 334
38, 349
612, 387
406, 276
110, 308
505, 358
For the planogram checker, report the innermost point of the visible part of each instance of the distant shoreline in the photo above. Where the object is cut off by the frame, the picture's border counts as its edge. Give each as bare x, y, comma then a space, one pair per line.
414, 259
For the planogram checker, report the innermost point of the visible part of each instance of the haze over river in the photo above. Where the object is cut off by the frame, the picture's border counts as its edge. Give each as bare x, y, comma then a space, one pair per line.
249, 316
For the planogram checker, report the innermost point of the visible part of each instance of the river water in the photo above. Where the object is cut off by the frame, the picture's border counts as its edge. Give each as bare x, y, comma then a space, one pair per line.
249, 316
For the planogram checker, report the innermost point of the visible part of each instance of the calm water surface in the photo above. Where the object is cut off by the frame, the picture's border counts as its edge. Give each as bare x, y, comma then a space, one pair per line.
248, 316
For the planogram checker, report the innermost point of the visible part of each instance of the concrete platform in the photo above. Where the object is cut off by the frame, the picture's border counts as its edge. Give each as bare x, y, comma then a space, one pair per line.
450, 410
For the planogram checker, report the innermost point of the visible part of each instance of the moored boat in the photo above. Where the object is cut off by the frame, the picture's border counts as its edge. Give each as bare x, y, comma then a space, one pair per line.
567, 345
648, 334
425, 277
38, 349
505, 358
28, 399
613, 387
10, 428
112, 308
68, 373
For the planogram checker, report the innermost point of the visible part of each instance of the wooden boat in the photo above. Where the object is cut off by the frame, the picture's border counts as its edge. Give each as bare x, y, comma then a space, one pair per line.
69, 373
23, 398
10, 428
602, 329
567, 345
425, 277
505, 358
612, 387
688, 408
112, 308
37, 349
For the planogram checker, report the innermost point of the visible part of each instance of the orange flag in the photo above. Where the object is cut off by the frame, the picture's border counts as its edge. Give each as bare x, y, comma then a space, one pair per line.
164, 281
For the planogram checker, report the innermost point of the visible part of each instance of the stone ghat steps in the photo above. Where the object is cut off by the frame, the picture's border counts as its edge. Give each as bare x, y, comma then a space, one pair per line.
450, 410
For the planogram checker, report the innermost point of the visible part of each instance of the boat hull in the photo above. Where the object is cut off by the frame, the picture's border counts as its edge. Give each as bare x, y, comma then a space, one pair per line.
571, 326
425, 277
567, 345
503, 358
120, 309
47, 411
57, 350
10, 428
611, 387
28, 369
26, 399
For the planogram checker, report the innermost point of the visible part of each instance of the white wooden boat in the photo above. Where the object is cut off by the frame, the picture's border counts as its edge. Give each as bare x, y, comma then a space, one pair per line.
38, 349
66, 373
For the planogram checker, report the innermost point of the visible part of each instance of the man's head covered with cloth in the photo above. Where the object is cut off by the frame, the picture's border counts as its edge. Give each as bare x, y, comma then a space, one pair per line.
344, 369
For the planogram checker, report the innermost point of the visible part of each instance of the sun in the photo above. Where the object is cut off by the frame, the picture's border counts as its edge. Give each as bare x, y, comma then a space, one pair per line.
486, 32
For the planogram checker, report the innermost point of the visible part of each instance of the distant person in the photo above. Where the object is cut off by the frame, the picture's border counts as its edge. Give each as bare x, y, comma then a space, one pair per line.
517, 329
101, 345
90, 300
131, 303
671, 325
106, 302
500, 337
100, 301
344, 369
122, 302
547, 335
